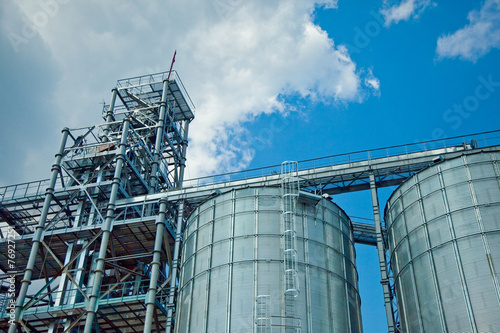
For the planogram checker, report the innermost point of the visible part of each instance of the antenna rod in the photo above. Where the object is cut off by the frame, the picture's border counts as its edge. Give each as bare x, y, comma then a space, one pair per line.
171, 65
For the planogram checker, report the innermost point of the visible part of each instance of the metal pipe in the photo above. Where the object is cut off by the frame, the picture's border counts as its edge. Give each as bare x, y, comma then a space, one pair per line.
182, 165
155, 267
160, 226
110, 114
37, 236
159, 140
106, 229
381, 255
175, 266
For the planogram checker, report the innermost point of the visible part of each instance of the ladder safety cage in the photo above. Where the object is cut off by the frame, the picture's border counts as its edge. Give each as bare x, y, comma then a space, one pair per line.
290, 189
263, 314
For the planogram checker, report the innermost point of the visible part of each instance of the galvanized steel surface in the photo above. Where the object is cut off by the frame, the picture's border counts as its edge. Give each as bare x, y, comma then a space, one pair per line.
444, 239
232, 253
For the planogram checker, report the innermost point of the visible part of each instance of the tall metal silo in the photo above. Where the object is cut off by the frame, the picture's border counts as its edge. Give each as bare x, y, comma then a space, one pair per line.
444, 239
233, 277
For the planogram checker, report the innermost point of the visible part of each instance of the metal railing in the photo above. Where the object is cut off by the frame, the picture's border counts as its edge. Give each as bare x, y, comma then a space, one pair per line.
138, 81
478, 140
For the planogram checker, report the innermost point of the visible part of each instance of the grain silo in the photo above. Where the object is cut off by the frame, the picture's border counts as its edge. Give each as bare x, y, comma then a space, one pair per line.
444, 239
233, 274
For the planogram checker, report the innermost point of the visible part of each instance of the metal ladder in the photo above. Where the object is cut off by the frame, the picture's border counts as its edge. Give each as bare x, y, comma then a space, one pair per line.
287, 321
290, 193
263, 314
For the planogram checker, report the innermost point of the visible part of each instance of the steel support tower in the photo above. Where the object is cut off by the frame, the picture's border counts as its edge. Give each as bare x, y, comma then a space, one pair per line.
96, 247
98, 267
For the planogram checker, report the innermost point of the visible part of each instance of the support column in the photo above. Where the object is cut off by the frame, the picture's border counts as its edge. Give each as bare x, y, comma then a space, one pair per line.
155, 267
381, 256
110, 114
106, 230
175, 267
182, 165
37, 237
160, 226
159, 140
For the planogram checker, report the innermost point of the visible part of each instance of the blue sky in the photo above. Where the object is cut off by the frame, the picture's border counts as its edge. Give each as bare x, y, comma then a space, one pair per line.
272, 80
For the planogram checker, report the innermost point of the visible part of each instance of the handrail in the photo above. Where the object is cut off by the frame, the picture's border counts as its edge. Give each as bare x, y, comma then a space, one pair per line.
479, 140
142, 80
493, 139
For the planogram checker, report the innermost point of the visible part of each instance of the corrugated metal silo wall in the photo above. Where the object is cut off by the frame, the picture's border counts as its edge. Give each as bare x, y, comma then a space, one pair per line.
444, 239
232, 253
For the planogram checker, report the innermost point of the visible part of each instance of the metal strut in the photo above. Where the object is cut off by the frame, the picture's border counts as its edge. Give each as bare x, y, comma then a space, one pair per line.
381, 257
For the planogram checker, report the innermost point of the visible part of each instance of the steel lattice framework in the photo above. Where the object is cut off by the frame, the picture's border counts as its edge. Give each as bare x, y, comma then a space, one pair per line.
71, 237
101, 239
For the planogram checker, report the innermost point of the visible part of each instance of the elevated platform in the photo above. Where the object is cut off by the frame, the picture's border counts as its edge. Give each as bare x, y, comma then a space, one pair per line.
146, 91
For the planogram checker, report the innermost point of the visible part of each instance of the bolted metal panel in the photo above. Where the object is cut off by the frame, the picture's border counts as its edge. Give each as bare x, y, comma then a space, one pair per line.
233, 255
444, 235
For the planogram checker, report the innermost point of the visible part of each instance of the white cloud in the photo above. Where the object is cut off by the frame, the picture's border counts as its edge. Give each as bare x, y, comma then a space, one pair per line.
236, 59
372, 82
475, 39
257, 54
405, 10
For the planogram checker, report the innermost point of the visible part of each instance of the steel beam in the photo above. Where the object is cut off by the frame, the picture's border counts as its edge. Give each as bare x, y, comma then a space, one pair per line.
381, 256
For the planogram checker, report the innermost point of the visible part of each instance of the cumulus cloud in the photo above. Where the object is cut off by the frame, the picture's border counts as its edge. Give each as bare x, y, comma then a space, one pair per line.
403, 11
477, 38
256, 58
237, 60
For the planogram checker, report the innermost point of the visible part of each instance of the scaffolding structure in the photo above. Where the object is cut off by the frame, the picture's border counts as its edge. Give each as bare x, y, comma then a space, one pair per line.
99, 267
97, 246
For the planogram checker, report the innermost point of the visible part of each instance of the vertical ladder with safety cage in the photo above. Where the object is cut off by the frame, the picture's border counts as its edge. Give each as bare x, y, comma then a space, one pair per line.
263, 314
290, 193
